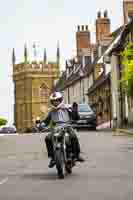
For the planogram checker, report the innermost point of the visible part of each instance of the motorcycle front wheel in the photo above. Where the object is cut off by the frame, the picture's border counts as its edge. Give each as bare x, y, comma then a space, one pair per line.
68, 166
59, 158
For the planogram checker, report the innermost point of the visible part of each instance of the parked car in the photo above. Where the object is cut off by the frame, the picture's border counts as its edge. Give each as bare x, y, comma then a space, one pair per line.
87, 117
7, 129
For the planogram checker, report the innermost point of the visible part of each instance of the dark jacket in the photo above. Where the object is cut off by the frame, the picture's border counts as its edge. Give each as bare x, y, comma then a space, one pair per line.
75, 115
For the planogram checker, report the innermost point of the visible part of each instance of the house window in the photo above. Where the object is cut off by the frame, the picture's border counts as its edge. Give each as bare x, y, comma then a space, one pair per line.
87, 60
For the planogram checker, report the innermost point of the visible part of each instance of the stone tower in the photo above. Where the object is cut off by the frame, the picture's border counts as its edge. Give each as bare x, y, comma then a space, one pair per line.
33, 82
127, 10
102, 26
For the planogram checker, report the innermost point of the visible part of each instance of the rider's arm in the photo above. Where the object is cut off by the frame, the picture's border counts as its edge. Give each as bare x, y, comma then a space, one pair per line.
47, 119
69, 110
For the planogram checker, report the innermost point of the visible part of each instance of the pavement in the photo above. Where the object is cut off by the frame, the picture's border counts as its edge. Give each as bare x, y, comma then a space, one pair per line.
127, 130
116, 131
105, 125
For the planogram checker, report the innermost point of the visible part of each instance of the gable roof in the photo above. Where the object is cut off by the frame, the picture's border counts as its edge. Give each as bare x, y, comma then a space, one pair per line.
119, 45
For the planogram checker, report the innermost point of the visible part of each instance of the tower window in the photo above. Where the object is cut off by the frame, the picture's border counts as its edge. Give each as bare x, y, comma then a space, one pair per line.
44, 92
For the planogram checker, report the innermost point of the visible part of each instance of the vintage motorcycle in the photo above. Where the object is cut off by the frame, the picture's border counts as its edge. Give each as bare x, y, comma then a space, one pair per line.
62, 149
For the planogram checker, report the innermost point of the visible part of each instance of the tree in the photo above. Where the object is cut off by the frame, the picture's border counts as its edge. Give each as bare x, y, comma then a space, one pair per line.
3, 121
127, 72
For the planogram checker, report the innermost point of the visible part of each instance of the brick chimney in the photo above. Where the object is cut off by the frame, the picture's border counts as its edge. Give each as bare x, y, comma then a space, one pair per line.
127, 10
102, 26
83, 40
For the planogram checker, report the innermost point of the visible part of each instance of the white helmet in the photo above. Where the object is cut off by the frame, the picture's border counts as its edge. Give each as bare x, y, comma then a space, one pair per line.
56, 96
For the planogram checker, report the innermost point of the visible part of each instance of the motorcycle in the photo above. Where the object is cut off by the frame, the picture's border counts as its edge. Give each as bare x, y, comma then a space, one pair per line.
62, 150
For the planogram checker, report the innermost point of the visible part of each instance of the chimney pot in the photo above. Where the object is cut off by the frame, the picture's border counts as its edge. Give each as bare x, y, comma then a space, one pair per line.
86, 27
99, 14
82, 27
105, 14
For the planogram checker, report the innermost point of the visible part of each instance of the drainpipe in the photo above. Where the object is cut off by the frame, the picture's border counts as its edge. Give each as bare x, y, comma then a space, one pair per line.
126, 110
83, 91
121, 93
68, 96
110, 112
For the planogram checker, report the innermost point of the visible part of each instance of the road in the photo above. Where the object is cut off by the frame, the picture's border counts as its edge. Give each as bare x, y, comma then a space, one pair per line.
107, 173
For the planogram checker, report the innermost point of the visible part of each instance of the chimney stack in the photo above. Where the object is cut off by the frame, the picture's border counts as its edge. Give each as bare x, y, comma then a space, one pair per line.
127, 10
102, 26
83, 40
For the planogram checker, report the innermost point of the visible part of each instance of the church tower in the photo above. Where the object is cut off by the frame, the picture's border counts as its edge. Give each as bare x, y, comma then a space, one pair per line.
127, 10
33, 82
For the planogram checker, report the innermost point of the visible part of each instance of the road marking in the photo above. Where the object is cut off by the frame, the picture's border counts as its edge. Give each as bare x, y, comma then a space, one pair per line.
4, 181
5, 134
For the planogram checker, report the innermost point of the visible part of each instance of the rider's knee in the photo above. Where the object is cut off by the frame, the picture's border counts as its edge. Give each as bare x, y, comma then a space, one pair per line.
48, 137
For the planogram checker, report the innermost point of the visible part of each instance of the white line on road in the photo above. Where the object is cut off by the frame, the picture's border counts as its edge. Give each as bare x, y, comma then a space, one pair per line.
4, 181
5, 134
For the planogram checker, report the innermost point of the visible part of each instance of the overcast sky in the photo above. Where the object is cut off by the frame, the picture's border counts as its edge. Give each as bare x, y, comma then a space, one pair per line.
44, 22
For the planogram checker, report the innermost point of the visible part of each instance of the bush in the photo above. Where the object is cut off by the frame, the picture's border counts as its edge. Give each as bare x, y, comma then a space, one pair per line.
127, 72
3, 121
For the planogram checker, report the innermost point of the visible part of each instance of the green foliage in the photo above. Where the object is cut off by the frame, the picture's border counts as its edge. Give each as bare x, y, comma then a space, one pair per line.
127, 72
3, 121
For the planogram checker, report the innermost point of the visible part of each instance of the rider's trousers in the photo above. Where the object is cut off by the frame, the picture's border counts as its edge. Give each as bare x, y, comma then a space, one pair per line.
74, 142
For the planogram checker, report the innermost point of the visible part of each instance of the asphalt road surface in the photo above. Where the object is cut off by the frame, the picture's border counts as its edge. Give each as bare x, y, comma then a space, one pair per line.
107, 173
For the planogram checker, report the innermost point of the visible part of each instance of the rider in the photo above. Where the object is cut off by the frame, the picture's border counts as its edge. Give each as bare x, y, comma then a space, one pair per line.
59, 113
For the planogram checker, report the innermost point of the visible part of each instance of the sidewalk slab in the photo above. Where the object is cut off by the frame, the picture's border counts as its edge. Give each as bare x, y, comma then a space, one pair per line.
105, 125
123, 131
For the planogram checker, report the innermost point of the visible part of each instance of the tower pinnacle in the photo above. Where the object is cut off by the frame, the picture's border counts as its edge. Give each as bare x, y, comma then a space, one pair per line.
58, 53
45, 57
25, 53
13, 57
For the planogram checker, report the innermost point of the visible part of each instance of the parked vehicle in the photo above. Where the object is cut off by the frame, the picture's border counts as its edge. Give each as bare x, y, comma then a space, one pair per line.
87, 117
62, 150
7, 129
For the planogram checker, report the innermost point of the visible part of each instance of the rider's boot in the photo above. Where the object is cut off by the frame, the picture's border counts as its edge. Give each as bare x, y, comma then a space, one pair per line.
79, 158
51, 163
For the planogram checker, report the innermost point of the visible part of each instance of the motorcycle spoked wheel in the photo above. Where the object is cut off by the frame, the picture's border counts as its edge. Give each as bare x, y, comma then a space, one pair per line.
59, 158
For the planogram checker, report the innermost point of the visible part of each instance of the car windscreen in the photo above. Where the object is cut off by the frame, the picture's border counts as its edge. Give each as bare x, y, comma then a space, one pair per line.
7, 128
84, 108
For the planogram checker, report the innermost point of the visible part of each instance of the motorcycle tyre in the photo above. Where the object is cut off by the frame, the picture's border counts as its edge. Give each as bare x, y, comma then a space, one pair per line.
59, 163
68, 169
